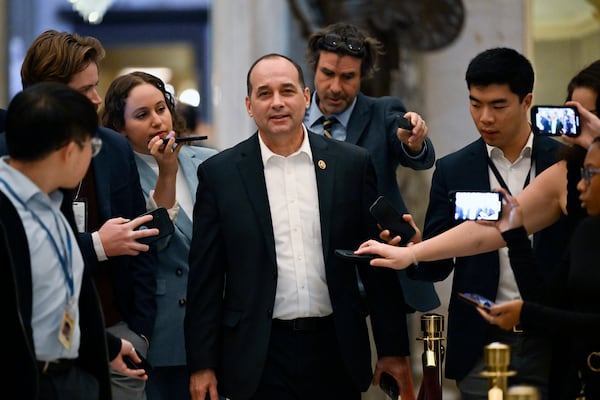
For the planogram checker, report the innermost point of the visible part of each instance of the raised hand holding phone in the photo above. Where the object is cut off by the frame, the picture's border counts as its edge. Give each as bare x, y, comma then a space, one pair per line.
390, 219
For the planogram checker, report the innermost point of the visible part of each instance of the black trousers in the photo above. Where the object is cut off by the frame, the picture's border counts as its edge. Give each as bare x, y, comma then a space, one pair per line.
73, 384
305, 365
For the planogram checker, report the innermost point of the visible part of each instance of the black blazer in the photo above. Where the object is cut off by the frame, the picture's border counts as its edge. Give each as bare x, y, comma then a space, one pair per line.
233, 269
16, 308
120, 195
467, 169
373, 126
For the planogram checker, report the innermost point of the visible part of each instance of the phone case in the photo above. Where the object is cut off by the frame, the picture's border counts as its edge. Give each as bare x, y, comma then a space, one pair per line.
160, 220
388, 384
350, 256
145, 365
388, 218
404, 123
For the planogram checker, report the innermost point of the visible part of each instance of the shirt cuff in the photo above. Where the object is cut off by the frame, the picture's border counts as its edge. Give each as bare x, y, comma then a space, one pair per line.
98, 248
151, 205
417, 156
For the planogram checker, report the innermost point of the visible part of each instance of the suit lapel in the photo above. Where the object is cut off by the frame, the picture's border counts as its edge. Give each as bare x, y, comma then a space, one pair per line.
325, 164
148, 181
361, 115
101, 165
252, 173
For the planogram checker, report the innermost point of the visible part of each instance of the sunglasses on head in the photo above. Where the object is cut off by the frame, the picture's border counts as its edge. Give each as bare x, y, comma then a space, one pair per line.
333, 42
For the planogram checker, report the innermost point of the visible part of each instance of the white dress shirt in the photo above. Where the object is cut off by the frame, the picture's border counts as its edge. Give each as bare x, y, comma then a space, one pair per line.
514, 174
294, 203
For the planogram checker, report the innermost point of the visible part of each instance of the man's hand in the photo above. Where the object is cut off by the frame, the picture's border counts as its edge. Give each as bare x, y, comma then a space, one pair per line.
413, 139
203, 383
506, 315
386, 236
399, 368
119, 237
118, 364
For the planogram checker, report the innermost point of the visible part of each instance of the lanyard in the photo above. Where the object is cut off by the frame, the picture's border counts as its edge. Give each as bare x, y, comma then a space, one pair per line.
499, 177
65, 261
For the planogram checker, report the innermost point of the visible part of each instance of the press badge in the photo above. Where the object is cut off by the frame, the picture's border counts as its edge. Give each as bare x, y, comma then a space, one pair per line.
80, 212
67, 327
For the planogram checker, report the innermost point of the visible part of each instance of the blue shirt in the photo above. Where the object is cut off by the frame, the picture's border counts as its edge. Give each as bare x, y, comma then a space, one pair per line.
50, 289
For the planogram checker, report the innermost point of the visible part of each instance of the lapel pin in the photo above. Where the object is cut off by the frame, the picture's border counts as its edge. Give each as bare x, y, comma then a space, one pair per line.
322, 164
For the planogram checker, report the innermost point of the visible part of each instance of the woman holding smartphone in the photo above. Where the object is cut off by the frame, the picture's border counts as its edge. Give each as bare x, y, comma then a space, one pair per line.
566, 307
138, 106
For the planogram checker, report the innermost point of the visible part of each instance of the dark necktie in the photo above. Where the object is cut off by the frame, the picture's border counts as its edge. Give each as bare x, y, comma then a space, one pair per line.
327, 125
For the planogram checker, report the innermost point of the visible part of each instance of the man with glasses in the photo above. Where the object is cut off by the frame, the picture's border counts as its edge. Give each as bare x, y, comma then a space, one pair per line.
106, 203
342, 55
56, 339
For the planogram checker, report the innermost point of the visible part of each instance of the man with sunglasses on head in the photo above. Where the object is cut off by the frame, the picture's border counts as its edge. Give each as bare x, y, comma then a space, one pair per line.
342, 55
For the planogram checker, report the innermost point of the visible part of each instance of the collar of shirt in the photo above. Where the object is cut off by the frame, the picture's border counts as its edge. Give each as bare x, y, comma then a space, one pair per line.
495, 153
314, 114
267, 154
26, 188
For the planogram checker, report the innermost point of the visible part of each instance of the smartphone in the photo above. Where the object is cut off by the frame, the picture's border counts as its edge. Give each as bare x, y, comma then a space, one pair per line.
477, 300
350, 256
388, 384
160, 220
183, 139
189, 138
555, 120
388, 218
404, 123
475, 205
145, 365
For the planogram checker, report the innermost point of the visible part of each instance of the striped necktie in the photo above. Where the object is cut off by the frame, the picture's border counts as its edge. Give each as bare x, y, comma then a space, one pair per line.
327, 123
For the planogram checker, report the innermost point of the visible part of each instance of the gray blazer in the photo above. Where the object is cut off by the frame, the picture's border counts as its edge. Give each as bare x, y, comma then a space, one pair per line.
167, 346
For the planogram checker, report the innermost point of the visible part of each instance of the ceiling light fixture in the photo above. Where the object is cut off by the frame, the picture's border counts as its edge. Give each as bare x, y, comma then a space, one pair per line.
92, 11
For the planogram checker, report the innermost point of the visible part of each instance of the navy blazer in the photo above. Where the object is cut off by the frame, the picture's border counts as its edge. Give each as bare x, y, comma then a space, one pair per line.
373, 126
16, 300
467, 169
233, 268
120, 195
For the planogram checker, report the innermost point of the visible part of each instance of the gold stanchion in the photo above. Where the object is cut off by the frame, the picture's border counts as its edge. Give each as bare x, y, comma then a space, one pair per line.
432, 326
497, 360
522, 392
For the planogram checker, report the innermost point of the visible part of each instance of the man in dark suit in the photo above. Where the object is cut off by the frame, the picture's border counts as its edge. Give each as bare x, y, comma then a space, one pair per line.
342, 55
272, 313
500, 83
105, 203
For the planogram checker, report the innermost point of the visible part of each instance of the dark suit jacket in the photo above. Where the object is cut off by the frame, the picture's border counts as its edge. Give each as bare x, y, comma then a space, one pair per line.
467, 169
16, 307
233, 268
120, 195
373, 126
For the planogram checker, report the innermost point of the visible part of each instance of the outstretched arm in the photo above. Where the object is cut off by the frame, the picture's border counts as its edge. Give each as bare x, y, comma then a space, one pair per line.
543, 201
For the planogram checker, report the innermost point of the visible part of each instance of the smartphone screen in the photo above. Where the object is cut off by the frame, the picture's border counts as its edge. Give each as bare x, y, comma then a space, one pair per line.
474, 205
477, 300
388, 218
555, 120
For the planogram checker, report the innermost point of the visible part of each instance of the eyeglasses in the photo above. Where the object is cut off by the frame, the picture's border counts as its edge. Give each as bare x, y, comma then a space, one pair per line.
587, 173
96, 144
333, 42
